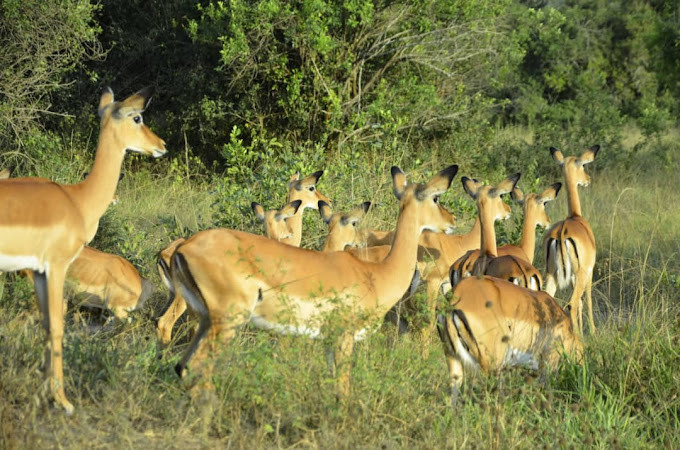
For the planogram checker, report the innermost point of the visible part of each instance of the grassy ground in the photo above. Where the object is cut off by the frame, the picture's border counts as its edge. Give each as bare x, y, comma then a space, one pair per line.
275, 391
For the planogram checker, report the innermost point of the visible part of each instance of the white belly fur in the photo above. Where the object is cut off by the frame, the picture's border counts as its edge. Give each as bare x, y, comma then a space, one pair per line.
12, 263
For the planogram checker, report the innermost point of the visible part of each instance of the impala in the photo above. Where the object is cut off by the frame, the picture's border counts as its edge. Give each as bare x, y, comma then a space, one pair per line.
492, 324
342, 227
287, 229
44, 225
508, 267
306, 191
230, 278
106, 281
276, 226
569, 245
276, 223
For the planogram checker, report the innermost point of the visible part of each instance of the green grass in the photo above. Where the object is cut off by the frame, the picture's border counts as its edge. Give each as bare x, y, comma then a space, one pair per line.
274, 391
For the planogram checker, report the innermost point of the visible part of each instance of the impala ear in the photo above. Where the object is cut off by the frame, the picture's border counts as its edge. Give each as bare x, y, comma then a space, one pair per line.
589, 155
288, 210
258, 210
506, 185
313, 178
471, 186
442, 181
550, 193
105, 100
356, 214
557, 156
140, 100
399, 182
517, 196
325, 211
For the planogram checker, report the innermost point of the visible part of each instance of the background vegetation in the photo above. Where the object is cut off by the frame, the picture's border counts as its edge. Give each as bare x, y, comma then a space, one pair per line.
249, 92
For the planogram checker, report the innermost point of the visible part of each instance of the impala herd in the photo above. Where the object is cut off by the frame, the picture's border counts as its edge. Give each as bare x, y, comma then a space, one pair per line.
501, 311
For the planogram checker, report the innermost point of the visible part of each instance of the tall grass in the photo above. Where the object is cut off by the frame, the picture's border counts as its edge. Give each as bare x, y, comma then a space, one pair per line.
275, 391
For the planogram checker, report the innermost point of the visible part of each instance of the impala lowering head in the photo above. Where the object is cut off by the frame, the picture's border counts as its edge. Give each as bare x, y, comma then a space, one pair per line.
342, 227
305, 190
276, 225
124, 120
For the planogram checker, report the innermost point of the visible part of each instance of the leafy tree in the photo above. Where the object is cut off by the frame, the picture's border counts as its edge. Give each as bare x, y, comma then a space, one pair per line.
41, 42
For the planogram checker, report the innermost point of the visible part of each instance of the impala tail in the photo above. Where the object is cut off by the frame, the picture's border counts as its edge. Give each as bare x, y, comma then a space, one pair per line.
187, 287
558, 260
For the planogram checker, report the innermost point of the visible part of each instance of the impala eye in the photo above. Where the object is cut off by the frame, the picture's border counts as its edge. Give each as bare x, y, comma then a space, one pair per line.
435, 199
311, 188
137, 119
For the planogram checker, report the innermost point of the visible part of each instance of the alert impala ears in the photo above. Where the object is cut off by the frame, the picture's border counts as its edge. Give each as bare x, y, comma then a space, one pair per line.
437, 185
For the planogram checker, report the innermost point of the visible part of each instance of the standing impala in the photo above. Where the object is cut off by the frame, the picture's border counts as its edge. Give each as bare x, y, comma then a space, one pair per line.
506, 266
288, 230
569, 245
44, 225
230, 278
486, 260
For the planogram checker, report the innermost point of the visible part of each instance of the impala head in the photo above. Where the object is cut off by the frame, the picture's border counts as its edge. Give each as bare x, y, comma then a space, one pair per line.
305, 190
342, 227
425, 199
572, 166
124, 120
534, 204
489, 198
275, 224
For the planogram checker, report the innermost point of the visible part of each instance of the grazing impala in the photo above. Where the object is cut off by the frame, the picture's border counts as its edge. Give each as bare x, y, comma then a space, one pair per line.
569, 245
288, 231
506, 266
490, 207
492, 324
44, 225
106, 281
230, 278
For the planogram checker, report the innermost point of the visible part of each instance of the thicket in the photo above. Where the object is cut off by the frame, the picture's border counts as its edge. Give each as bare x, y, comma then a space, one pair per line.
245, 86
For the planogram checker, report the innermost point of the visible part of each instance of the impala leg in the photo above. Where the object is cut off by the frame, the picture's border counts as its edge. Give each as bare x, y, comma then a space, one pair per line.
549, 284
576, 300
343, 364
433, 284
167, 321
589, 300
52, 307
455, 377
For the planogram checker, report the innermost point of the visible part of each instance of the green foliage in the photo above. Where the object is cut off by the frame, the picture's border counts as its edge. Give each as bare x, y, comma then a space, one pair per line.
42, 42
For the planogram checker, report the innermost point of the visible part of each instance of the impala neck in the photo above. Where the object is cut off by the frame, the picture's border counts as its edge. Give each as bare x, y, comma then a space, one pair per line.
295, 225
93, 195
488, 234
400, 262
528, 242
572, 196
